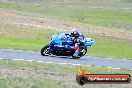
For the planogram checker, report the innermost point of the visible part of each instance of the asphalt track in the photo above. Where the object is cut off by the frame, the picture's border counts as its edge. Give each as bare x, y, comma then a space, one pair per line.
86, 60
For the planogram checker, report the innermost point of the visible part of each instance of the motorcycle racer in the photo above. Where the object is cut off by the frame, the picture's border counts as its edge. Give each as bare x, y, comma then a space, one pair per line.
76, 38
67, 44
75, 35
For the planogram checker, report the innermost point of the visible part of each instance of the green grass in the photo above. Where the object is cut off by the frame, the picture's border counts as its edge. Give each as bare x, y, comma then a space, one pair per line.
21, 44
76, 13
106, 46
115, 49
27, 38
33, 38
24, 74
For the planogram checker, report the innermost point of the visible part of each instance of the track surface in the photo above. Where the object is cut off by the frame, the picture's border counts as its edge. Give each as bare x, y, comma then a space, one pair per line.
87, 60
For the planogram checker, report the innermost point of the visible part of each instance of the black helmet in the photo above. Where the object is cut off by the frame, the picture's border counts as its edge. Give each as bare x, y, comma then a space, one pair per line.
75, 34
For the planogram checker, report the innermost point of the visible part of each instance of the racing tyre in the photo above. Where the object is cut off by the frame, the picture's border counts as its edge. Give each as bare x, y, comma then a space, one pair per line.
44, 50
84, 51
76, 57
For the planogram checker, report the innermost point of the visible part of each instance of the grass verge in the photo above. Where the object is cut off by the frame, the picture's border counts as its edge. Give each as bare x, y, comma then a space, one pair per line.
24, 74
28, 38
33, 38
114, 18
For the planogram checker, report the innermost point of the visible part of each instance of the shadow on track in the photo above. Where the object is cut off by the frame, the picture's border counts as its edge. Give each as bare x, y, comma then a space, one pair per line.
66, 57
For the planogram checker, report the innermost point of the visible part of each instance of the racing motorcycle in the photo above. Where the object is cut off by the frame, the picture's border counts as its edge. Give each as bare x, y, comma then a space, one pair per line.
61, 44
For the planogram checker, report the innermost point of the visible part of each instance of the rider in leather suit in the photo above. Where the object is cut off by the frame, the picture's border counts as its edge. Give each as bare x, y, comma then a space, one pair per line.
75, 35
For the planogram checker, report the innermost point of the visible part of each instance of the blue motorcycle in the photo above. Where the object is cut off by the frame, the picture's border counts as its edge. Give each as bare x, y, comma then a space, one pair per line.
61, 44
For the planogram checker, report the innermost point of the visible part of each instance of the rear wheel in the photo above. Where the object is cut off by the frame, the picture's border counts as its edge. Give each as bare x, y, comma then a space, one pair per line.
45, 50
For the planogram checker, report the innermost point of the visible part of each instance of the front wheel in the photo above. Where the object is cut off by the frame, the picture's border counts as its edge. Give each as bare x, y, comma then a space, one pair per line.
75, 55
84, 51
45, 50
